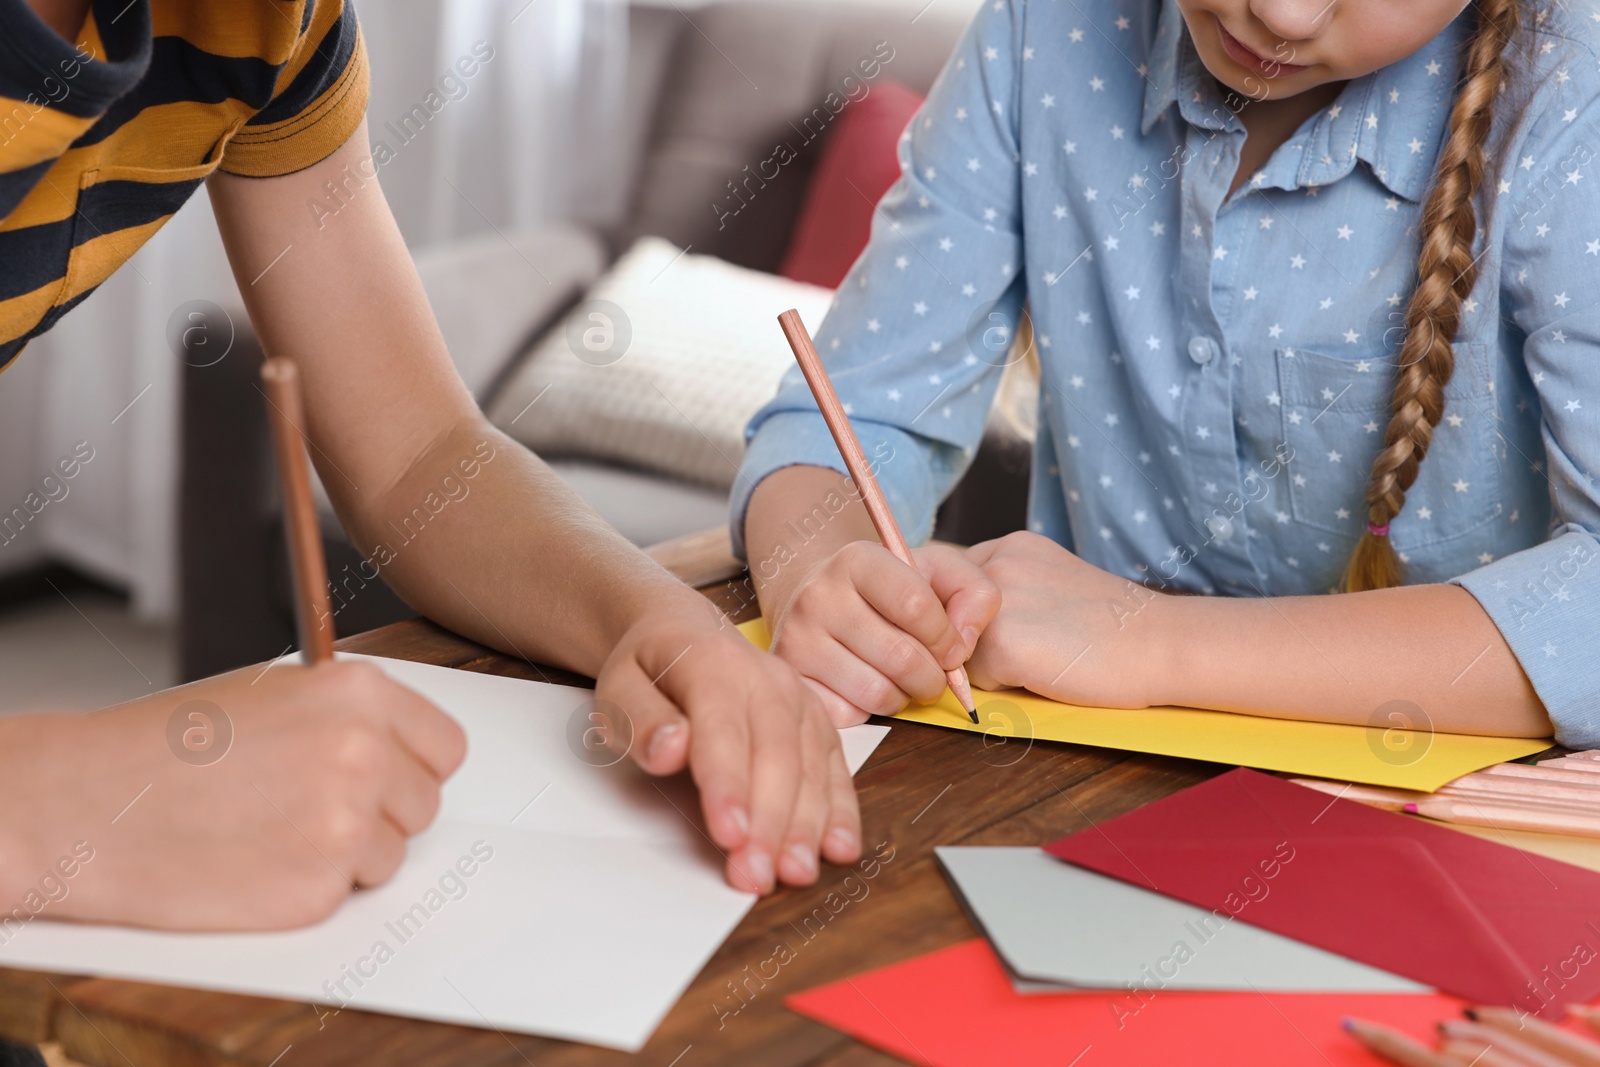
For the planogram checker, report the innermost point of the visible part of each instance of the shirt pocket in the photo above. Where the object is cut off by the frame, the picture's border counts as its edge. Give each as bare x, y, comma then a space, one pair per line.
1335, 414
120, 208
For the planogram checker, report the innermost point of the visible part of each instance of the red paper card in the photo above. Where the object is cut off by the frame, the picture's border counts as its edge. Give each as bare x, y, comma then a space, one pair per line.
955, 1008
1460, 913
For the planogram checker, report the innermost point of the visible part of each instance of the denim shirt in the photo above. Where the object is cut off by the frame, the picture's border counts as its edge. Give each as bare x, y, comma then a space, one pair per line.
1216, 370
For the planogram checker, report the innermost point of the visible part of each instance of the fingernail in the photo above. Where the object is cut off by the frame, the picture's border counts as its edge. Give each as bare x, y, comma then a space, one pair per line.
969, 634
662, 738
842, 840
740, 819
758, 869
803, 858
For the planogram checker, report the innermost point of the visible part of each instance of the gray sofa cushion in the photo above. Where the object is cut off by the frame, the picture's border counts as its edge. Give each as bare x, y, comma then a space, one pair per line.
739, 81
493, 292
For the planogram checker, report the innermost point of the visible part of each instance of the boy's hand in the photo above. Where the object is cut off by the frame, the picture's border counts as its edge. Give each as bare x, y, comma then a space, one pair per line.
251, 801
773, 782
870, 633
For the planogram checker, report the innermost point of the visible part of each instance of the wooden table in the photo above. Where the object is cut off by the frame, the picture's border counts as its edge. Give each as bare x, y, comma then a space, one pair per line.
924, 786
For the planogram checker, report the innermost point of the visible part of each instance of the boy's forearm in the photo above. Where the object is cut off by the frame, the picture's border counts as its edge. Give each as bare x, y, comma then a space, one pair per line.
794, 521
481, 536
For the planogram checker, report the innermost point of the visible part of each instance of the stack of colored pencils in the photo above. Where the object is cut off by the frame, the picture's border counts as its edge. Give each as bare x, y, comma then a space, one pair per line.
1487, 1037
1556, 796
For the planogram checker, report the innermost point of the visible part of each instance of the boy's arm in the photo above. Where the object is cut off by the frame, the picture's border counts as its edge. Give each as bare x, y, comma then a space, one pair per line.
476, 532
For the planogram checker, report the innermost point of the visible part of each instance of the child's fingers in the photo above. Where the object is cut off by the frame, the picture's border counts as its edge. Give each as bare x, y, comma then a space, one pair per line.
802, 841
889, 665
903, 597
841, 843
840, 712
971, 598
775, 781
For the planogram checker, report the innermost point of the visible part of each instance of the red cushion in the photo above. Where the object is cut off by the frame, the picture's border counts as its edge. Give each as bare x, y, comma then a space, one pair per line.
857, 167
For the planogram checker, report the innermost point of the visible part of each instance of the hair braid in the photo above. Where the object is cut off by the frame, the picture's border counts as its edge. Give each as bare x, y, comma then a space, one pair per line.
1446, 272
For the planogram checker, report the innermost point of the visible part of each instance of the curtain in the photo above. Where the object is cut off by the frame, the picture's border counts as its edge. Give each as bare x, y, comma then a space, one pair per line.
515, 99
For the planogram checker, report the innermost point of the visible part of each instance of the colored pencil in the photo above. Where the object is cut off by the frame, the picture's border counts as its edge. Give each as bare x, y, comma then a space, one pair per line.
855, 460
1570, 763
1479, 1053
1525, 787
280, 380
1587, 1014
1504, 1042
1506, 816
1542, 774
1540, 1034
1516, 792
1396, 1047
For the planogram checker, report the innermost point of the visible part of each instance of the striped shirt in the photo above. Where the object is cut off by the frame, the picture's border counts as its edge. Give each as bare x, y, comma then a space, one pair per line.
102, 140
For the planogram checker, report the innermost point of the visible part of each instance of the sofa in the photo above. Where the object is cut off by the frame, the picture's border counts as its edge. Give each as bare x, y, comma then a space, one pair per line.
694, 119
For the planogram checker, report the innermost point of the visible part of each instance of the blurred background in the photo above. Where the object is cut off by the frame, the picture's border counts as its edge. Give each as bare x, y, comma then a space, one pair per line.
608, 202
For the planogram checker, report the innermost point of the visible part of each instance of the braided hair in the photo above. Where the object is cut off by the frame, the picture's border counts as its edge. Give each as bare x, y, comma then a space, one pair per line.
1446, 273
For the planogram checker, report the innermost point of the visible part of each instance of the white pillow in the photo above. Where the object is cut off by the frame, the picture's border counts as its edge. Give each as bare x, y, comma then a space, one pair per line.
660, 366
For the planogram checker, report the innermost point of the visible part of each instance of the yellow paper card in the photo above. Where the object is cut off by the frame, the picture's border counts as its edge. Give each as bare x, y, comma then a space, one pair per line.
1399, 758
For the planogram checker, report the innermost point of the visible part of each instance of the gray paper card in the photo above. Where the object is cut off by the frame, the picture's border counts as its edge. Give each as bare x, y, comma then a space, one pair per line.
1053, 922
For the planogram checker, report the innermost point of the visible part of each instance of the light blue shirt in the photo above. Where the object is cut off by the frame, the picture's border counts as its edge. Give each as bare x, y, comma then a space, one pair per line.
1217, 371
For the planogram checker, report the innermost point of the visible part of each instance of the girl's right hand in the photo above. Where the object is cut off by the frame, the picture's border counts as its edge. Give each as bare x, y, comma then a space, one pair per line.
869, 633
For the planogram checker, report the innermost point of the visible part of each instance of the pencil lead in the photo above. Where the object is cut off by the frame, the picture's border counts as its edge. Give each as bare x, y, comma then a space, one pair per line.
974, 713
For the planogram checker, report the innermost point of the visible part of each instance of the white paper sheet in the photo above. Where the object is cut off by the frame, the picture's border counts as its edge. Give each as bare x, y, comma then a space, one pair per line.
592, 903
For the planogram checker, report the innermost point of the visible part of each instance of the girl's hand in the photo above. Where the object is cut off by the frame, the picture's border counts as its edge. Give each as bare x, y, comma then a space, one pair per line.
773, 782
1067, 629
869, 633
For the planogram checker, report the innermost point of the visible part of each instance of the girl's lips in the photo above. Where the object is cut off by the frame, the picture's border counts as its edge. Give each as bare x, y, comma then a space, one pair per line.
1267, 68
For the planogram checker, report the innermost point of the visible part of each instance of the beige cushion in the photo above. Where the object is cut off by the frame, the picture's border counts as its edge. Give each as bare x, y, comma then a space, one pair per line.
660, 366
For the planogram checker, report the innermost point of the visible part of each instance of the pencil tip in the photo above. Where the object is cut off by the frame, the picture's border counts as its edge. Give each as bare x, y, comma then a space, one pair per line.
1471, 1013
1412, 808
1347, 1023
974, 713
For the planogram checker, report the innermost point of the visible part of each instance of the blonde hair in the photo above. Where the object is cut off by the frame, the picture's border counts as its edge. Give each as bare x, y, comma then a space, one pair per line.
1446, 273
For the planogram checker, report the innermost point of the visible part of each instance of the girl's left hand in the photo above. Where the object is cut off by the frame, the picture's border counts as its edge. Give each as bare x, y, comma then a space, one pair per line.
1068, 630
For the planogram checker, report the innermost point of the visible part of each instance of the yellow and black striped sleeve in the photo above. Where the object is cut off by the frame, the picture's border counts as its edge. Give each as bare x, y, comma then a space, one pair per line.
317, 103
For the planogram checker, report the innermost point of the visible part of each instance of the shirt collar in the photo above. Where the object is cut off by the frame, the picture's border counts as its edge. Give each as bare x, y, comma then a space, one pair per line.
1393, 119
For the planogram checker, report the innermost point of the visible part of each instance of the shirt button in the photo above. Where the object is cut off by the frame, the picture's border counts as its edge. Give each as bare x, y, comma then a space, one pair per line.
1202, 349
1220, 528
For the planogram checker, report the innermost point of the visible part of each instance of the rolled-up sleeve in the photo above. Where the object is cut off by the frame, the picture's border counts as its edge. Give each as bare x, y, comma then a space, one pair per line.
909, 340
1546, 599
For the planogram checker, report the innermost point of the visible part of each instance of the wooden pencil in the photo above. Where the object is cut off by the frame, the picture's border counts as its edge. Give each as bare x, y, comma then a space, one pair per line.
1539, 1034
1503, 1041
1506, 816
1477, 1053
1587, 1014
1542, 774
1517, 792
280, 380
1524, 787
1570, 763
855, 460
1396, 1047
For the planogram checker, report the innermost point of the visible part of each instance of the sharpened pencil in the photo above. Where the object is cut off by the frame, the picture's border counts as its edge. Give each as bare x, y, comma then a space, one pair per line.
1504, 1042
1563, 1044
1396, 1047
1506, 816
280, 381
855, 460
